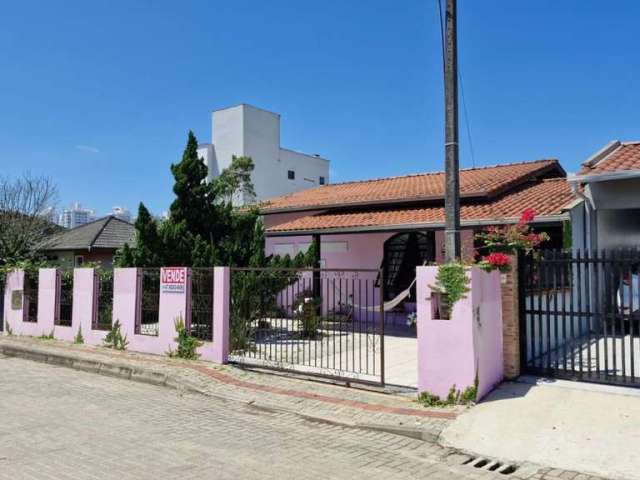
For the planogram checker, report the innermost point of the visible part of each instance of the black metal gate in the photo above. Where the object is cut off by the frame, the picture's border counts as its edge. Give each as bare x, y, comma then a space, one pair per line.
327, 322
580, 315
201, 313
65, 298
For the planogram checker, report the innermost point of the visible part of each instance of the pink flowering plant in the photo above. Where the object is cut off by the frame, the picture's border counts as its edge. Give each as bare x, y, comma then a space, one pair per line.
498, 243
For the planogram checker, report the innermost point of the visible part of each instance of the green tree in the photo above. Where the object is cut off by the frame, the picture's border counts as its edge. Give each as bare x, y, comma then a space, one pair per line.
204, 229
148, 250
193, 204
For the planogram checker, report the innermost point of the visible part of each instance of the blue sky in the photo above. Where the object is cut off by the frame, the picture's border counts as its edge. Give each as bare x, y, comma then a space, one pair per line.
100, 95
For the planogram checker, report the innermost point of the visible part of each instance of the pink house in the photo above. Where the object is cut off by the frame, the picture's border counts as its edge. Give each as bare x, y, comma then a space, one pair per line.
397, 223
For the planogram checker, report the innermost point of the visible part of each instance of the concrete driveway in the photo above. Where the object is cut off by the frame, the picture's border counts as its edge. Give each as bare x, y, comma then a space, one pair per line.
589, 428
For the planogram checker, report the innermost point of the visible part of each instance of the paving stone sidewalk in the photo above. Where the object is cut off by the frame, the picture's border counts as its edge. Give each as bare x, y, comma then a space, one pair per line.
279, 392
280, 395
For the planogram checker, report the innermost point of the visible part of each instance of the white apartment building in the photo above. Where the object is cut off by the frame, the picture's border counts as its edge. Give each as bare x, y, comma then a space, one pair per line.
123, 213
76, 215
244, 130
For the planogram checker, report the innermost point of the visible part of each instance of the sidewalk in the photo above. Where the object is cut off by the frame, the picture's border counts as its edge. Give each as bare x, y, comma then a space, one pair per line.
575, 426
321, 402
273, 391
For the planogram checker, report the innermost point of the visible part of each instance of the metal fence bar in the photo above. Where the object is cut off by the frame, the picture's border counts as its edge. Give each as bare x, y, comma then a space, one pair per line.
601, 292
290, 319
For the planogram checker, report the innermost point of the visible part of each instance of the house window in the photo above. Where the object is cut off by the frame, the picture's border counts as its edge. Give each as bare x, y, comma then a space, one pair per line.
291, 175
322, 181
79, 260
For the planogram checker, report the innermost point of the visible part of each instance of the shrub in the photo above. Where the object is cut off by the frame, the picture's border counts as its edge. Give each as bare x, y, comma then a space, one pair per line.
187, 345
79, 339
114, 338
305, 310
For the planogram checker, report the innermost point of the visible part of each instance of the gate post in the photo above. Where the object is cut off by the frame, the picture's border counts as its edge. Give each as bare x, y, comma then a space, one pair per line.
511, 318
464, 349
221, 299
13, 302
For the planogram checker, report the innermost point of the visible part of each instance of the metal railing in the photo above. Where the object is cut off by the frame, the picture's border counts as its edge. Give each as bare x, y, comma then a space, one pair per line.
147, 321
30, 296
201, 318
580, 315
103, 316
327, 322
65, 298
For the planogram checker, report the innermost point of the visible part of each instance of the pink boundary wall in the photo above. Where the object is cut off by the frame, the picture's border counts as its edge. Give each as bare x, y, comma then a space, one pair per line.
172, 305
451, 352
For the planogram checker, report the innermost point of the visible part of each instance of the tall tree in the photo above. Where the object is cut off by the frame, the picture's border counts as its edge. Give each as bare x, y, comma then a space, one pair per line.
147, 250
24, 226
194, 195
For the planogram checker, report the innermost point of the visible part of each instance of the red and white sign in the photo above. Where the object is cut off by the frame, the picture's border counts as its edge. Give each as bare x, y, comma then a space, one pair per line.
173, 280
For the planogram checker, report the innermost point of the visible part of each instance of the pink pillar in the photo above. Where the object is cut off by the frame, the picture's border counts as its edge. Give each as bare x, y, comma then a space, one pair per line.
49, 305
84, 305
13, 313
221, 297
173, 304
452, 352
124, 299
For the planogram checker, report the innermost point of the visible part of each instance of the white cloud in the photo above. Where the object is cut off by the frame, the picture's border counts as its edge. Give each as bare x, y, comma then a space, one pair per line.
87, 148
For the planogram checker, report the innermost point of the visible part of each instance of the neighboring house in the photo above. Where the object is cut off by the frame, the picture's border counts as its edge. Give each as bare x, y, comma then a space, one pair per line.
244, 130
397, 223
606, 212
96, 241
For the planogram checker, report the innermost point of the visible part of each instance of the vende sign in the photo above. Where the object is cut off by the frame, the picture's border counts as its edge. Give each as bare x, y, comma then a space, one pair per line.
173, 280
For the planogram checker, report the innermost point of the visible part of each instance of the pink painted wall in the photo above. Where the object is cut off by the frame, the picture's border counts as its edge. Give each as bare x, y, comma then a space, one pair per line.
347, 251
451, 352
171, 306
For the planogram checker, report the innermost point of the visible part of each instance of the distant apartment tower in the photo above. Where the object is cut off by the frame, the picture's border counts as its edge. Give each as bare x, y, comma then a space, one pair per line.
248, 131
122, 213
76, 215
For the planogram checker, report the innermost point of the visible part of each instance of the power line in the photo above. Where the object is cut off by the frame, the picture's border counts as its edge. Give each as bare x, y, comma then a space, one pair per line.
467, 122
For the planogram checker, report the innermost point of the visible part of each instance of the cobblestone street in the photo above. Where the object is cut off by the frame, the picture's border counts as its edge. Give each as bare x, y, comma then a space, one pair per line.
58, 423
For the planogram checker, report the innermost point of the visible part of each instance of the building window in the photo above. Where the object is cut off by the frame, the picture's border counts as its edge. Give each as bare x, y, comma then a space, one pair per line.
79, 260
322, 181
291, 175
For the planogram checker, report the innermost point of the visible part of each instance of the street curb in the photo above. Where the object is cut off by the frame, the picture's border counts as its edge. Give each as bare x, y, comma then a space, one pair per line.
149, 376
106, 368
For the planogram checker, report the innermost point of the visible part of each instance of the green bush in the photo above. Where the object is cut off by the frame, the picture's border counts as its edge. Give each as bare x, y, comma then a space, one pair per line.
114, 339
187, 345
79, 339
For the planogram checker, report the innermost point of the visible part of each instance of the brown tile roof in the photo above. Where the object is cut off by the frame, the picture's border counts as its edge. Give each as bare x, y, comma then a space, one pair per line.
477, 182
616, 157
547, 198
107, 232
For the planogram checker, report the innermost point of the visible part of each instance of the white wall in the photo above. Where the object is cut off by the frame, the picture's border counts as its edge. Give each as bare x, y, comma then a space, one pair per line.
245, 130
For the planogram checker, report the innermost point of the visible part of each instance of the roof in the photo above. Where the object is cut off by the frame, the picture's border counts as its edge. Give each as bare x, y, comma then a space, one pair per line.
547, 198
485, 182
105, 233
615, 157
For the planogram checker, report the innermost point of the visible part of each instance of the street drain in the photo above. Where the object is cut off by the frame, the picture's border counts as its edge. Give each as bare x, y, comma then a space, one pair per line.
490, 465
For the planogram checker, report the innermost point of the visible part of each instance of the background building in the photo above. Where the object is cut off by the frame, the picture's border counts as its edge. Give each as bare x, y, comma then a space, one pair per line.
123, 213
245, 130
96, 241
76, 215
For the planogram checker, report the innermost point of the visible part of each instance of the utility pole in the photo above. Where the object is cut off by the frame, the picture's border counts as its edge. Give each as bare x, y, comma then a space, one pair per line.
452, 174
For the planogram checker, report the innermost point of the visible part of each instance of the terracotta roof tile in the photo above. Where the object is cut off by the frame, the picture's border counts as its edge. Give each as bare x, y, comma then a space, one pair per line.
477, 182
547, 198
625, 157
